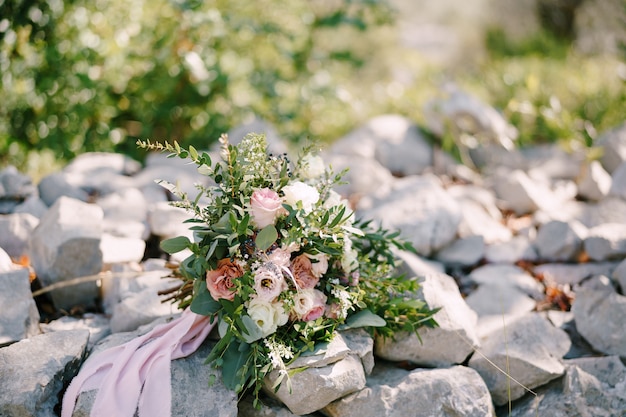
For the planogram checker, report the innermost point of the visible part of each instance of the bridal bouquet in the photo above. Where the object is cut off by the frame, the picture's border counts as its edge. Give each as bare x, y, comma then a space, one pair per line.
281, 262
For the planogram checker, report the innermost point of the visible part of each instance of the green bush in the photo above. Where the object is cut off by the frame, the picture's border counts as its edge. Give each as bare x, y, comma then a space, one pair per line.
95, 75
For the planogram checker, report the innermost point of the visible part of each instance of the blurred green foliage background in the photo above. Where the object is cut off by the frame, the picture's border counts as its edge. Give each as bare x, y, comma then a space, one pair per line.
96, 75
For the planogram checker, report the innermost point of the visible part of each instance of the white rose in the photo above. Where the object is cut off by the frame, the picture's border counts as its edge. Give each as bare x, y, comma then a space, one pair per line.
312, 167
319, 263
299, 191
309, 304
267, 316
349, 260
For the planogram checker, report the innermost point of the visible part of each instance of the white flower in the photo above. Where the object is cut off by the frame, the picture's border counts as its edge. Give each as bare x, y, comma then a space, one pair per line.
267, 316
312, 167
268, 282
349, 261
309, 304
299, 191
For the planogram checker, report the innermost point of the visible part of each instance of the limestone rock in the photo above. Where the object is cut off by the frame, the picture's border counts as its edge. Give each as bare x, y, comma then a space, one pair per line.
619, 275
328, 377
590, 387
56, 185
507, 275
517, 249
366, 176
462, 252
572, 274
531, 352
618, 185
520, 193
613, 143
600, 314
450, 343
19, 317
594, 183
65, 245
166, 221
560, 241
392, 392
607, 241
15, 231
121, 249
34, 371
418, 206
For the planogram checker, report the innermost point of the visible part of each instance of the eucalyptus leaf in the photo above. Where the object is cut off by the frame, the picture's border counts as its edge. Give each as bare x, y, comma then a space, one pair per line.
235, 357
203, 303
266, 237
175, 244
364, 318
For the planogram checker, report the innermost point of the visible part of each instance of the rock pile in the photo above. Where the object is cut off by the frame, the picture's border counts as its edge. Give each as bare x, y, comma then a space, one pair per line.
504, 251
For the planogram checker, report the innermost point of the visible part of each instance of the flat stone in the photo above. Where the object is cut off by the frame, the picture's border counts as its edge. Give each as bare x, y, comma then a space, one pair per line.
34, 372
517, 249
121, 249
594, 183
56, 185
96, 324
607, 241
66, 245
530, 351
508, 275
560, 241
618, 185
619, 275
418, 206
166, 221
19, 317
520, 193
572, 274
451, 342
455, 391
365, 177
600, 314
127, 205
613, 143
462, 252
32, 205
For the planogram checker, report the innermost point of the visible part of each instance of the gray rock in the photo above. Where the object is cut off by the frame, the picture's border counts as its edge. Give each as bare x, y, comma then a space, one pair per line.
56, 185
19, 317
329, 376
608, 210
166, 221
590, 387
462, 252
560, 241
594, 183
365, 177
126, 229
15, 186
450, 343
269, 408
498, 300
361, 344
189, 379
66, 245
34, 371
15, 231
399, 145
128, 204
392, 392
618, 185
476, 221
463, 113
418, 206
517, 249
520, 193
607, 241
507, 275
553, 161
96, 163
600, 314
6, 264
96, 324
530, 350
32, 205
613, 143
121, 249
619, 275
572, 274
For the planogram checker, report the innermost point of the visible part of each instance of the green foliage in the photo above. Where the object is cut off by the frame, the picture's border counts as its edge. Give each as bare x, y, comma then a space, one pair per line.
94, 75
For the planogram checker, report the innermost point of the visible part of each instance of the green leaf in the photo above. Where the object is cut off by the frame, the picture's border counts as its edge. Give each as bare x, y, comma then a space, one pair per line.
193, 153
175, 244
266, 237
235, 357
364, 318
203, 303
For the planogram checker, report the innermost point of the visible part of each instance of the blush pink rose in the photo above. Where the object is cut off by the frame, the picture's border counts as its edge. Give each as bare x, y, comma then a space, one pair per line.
265, 206
302, 271
309, 304
220, 281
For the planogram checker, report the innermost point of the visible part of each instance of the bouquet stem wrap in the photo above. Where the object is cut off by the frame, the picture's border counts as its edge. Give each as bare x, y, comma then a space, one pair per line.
136, 375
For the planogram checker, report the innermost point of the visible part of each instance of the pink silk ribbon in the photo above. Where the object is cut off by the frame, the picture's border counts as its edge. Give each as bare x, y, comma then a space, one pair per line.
136, 375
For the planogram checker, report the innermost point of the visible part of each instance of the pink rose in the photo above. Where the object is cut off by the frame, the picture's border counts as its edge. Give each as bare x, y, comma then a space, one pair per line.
220, 281
280, 257
302, 271
265, 206
319, 263
309, 304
